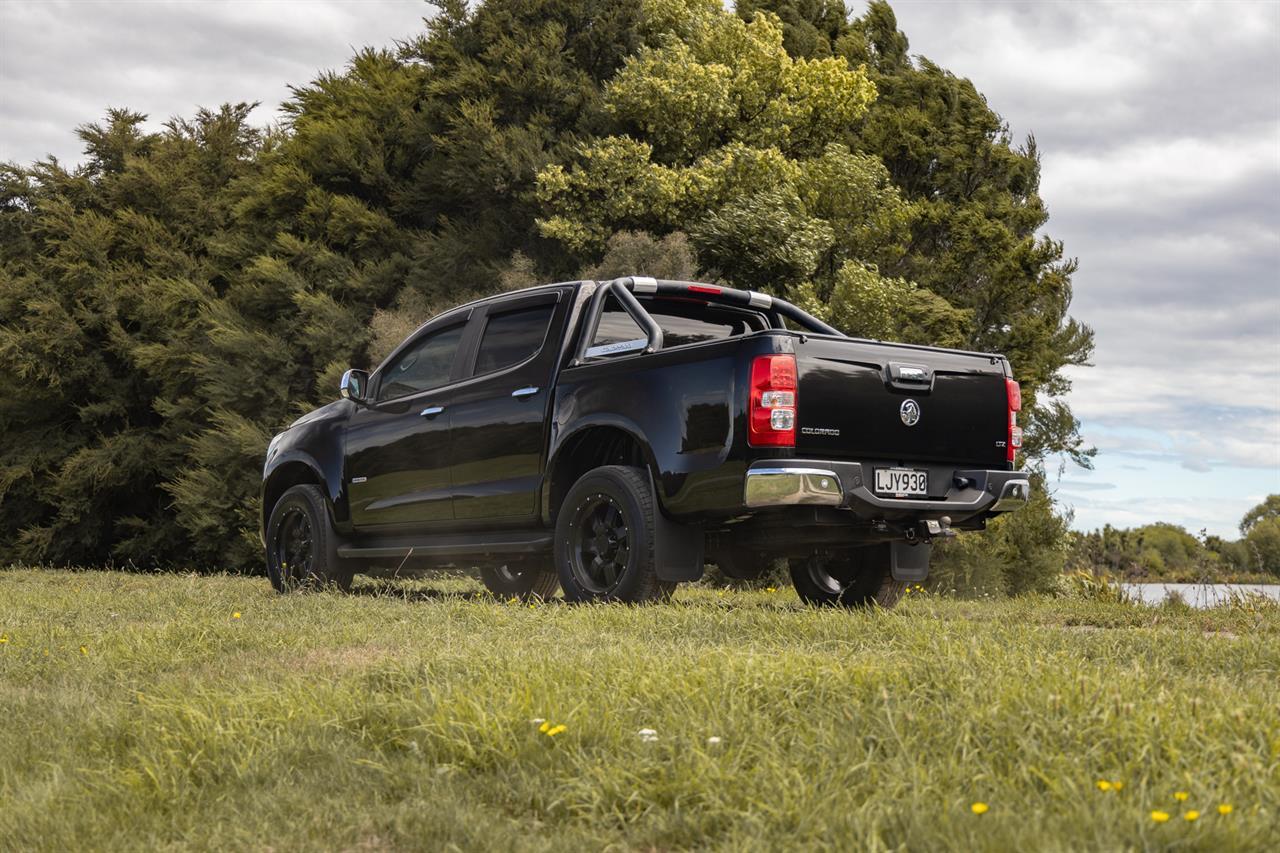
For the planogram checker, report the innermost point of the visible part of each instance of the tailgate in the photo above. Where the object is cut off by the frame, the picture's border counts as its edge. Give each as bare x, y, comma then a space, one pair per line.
853, 402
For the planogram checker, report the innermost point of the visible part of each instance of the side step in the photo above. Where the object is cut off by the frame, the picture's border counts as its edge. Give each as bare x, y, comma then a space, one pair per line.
451, 545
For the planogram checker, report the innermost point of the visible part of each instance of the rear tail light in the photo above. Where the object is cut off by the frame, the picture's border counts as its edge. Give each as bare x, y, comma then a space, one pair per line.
1014, 392
772, 413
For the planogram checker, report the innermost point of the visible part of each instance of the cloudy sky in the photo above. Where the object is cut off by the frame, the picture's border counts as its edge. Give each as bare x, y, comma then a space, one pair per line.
1159, 125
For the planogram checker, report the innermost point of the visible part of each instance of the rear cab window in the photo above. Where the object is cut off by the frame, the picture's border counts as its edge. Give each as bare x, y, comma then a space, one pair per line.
682, 322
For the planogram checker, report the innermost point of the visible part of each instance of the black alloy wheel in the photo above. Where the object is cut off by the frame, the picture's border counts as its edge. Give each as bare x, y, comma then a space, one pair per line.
295, 546
858, 578
301, 545
601, 549
604, 545
524, 579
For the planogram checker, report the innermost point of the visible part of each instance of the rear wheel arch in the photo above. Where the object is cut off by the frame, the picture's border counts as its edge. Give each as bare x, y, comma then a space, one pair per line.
589, 448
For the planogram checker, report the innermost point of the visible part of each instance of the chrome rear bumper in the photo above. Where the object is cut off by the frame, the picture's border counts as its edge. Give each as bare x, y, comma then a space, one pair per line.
802, 482
792, 487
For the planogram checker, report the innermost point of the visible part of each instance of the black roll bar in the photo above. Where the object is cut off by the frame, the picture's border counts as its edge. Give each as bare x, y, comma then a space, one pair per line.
626, 288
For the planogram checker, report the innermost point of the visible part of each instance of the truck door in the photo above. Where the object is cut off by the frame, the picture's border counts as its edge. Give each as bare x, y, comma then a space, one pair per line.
499, 415
397, 453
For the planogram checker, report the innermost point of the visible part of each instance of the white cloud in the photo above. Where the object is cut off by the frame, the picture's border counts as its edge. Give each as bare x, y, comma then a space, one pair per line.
63, 63
1183, 170
1080, 72
1217, 516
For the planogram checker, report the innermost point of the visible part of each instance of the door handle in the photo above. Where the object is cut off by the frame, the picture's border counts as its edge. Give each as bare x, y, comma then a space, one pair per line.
527, 391
431, 411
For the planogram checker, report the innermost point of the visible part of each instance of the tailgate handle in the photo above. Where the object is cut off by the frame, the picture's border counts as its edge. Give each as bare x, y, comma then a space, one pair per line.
910, 377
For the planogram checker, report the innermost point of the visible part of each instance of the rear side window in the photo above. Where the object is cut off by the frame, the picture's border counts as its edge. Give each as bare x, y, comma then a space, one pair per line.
512, 337
426, 364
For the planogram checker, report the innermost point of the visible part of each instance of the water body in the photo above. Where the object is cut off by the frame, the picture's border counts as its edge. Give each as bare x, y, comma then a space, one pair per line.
1198, 594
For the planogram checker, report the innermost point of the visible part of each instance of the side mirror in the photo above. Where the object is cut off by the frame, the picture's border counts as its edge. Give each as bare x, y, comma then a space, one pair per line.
354, 385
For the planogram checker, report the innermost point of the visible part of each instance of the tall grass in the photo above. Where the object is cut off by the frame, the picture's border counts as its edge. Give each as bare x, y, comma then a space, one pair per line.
201, 713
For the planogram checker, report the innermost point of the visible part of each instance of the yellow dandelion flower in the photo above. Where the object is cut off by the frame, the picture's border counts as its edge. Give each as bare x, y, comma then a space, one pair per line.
1104, 785
1224, 809
235, 615
4, 638
979, 808
84, 650
1117, 785
770, 589
1192, 815
1159, 816
555, 730
545, 727
1180, 796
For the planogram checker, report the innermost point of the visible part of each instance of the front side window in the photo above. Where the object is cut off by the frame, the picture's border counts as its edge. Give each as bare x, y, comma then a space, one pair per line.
426, 364
512, 337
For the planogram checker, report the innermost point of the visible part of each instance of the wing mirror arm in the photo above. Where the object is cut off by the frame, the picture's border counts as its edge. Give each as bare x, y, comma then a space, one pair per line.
354, 385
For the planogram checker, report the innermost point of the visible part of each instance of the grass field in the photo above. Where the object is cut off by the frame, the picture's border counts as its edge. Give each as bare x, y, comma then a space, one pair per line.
208, 712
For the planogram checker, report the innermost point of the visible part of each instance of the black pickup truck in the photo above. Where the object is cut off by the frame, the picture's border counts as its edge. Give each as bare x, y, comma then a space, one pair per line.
611, 437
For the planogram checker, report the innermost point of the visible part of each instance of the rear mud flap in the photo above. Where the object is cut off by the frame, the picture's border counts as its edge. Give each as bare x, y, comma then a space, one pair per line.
909, 562
679, 549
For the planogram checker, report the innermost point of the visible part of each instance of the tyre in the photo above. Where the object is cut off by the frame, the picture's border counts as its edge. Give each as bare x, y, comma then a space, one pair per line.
302, 548
858, 578
604, 546
520, 580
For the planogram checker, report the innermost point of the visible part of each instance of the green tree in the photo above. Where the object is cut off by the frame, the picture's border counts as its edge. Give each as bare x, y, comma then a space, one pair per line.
720, 134
1263, 544
1268, 509
869, 305
638, 253
106, 271
507, 87
313, 251
1261, 529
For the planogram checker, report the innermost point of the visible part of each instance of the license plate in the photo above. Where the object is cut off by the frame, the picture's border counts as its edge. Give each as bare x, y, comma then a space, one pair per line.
902, 481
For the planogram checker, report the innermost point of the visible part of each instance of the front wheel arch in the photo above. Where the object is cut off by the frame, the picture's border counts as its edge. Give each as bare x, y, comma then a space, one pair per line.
286, 474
